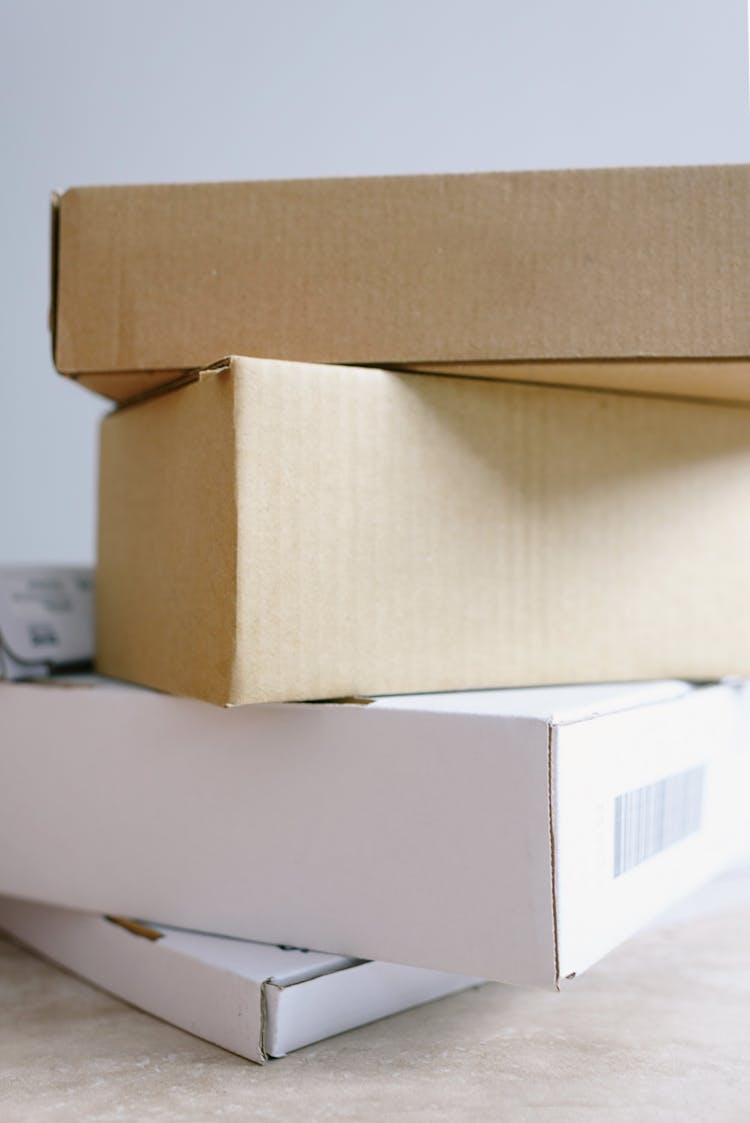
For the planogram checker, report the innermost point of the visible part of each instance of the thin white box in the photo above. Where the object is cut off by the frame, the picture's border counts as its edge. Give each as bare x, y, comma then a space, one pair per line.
516, 835
257, 1000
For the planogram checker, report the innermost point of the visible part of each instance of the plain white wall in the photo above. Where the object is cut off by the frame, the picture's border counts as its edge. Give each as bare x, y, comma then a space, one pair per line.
93, 91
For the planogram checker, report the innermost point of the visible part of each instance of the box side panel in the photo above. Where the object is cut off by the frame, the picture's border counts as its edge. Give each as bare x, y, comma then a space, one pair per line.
166, 576
649, 804
216, 1005
413, 838
611, 263
299, 1015
406, 533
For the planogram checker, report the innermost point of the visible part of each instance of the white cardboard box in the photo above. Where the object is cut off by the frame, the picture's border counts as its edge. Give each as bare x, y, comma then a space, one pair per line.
258, 1000
516, 835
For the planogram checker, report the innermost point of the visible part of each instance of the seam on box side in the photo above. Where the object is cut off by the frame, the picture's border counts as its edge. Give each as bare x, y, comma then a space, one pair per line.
552, 857
230, 365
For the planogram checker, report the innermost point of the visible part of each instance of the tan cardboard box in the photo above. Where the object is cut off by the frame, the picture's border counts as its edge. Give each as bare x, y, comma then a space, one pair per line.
633, 279
282, 531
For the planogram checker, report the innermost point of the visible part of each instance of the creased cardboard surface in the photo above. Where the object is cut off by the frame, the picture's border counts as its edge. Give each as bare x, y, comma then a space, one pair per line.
492, 268
285, 531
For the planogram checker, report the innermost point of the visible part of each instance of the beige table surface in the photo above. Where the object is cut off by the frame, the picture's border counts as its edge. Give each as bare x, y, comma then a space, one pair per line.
660, 1030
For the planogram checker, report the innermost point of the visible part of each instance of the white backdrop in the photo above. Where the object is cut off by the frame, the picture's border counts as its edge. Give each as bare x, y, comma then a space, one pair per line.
93, 91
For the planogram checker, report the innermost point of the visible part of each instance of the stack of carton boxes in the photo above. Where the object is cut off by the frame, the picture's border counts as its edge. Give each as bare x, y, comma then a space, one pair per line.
412, 436
277, 530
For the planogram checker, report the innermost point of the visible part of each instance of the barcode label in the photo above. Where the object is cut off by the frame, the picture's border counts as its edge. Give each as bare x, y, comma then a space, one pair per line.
649, 819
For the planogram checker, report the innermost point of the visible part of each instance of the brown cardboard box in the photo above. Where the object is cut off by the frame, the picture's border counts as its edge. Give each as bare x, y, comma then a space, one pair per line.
633, 279
282, 531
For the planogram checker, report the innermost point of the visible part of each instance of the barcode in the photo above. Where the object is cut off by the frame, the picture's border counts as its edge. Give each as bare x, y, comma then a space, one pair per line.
649, 819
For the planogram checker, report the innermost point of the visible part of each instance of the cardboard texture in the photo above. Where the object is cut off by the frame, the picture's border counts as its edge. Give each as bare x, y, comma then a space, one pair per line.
630, 279
257, 1000
278, 531
513, 835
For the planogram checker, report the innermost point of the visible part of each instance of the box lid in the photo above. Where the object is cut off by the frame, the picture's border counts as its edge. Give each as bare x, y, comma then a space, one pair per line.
482, 273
